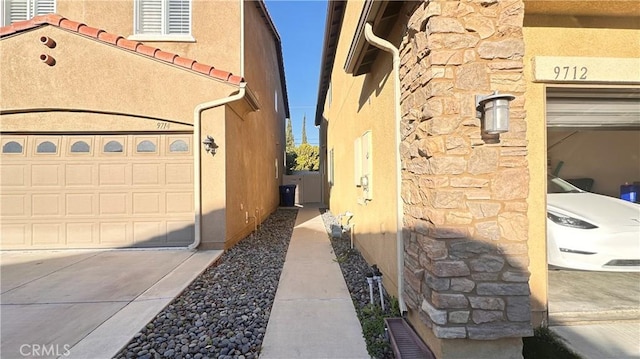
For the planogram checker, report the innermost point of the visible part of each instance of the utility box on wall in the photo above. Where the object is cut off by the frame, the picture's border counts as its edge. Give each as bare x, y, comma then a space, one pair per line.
366, 178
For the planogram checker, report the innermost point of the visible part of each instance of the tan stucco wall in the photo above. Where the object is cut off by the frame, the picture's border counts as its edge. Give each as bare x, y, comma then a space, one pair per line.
215, 26
360, 104
214, 181
255, 138
559, 36
115, 90
91, 75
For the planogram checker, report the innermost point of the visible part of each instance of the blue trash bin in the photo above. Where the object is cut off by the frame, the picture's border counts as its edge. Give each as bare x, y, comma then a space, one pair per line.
288, 195
629, 192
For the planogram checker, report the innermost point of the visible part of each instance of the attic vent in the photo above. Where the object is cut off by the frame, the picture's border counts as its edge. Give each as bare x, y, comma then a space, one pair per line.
405, 342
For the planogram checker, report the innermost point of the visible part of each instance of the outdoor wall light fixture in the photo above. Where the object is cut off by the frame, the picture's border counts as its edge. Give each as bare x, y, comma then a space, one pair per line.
210, 145
494, 111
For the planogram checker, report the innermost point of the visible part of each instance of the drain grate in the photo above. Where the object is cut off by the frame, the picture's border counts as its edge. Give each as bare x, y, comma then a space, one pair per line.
405, 342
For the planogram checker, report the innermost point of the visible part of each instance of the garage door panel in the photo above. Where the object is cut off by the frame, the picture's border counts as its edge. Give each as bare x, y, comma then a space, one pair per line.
80, 204
146, 174
147, 203
179, 202
113, 204
113, 174
179, 173
14, 235
88, 191
149, 233
47, 234
12, 175
46, 175
13, 205
79, 175
114, 234
593, 108
46, 204
180, 232
80, 233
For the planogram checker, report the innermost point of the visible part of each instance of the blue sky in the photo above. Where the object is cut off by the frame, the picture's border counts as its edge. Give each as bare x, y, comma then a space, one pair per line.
301, 27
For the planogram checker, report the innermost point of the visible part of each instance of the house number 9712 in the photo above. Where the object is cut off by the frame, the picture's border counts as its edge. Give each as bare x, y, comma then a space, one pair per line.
570, 72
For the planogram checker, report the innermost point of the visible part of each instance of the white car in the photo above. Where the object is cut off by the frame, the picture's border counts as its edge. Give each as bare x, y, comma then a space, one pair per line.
588, 231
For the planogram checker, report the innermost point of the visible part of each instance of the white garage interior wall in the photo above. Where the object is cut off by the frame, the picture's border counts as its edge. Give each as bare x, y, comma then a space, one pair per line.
594, 133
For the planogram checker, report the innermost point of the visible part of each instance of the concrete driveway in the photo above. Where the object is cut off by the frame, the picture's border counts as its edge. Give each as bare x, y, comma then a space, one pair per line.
87, 304
596, 313
582, 297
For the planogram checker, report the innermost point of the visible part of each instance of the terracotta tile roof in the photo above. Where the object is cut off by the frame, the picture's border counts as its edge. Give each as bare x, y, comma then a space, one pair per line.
121, 42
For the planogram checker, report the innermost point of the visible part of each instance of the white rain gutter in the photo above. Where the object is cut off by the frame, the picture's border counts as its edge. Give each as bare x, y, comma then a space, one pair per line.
197, 155
385, 45
197, 125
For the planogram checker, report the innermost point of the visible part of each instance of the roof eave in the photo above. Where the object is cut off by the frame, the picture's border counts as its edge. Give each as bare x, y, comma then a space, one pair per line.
285, 97
333, 25
121, 43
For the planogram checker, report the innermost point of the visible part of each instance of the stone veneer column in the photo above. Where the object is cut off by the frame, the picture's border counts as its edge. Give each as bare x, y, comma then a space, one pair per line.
464, 193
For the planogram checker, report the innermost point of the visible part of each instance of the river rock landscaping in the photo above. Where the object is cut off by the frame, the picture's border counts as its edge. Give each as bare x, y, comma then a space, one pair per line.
223, 313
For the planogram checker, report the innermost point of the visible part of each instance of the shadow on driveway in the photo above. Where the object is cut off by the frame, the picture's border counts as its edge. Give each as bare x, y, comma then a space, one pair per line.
87, 303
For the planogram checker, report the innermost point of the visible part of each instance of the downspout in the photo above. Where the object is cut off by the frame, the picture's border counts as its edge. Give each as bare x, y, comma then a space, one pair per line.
197, 125
197, 155
241, 38
385, 45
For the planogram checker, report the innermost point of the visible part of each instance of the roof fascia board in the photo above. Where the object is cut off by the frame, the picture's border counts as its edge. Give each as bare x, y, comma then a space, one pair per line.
369, 13
260, 4
335, 13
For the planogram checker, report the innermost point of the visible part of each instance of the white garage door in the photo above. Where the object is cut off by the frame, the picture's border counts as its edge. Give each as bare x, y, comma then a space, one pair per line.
96, 191
593, 108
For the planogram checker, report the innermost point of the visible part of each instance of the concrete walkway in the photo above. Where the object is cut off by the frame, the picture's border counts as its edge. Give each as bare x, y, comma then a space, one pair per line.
88, 304
620, 340
313, 315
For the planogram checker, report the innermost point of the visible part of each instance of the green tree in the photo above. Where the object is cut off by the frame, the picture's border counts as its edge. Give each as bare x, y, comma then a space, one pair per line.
304, 129
291, 158
308, 158
290, 142
290, 149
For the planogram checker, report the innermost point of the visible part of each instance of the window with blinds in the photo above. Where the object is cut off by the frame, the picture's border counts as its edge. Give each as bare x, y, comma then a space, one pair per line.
163, 17
19, 10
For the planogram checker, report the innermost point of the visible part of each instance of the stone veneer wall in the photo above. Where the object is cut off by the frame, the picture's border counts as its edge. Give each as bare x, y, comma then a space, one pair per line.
464, 193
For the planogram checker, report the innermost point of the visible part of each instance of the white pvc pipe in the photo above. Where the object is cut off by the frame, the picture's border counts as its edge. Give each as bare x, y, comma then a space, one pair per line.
385, 45
241, 38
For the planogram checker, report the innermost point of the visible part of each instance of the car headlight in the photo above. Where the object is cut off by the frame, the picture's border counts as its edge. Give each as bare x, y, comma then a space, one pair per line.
569, 221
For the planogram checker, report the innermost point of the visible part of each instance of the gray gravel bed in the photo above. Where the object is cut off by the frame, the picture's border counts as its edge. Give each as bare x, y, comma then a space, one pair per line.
222, 314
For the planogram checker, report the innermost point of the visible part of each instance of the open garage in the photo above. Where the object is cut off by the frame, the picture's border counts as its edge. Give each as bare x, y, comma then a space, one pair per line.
593, 137
593, 142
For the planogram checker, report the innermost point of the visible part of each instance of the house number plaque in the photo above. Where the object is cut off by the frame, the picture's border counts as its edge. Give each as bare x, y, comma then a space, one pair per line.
586, 69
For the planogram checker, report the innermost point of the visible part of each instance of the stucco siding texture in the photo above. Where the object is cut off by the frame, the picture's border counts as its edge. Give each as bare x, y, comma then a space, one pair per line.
357, 105
254, 139
100, 87
90, 75
215, 26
